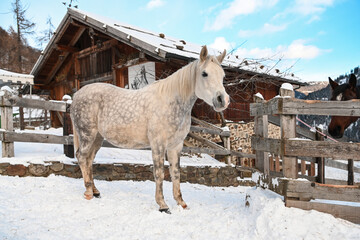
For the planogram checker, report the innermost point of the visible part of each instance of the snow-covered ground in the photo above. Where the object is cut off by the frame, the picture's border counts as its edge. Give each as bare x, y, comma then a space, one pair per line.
54, 207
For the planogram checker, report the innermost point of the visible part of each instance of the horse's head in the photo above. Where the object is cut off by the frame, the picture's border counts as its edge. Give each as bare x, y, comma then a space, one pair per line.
343, 92
209, 81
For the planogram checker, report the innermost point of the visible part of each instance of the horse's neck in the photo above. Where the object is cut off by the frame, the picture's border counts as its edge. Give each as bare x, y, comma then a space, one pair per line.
357, 92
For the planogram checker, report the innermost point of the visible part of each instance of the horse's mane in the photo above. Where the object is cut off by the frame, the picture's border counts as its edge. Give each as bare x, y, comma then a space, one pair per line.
182, 82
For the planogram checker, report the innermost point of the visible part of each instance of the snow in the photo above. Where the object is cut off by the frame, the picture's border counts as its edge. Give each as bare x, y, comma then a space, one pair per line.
287, 86
54, 207
6, 76
259, 95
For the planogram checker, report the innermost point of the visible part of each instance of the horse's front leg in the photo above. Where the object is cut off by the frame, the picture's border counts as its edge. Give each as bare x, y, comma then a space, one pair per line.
174, 160
158, 159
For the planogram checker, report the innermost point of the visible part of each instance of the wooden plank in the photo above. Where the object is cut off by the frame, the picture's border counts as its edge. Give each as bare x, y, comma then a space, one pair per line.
303, 167
334, 150
277, 163
35, 137
35, 103
206, 142
316, 107
308, 190
270, 107
261, 125
288, 130
349, 213
292, 106
206, 150
271, 145
7, 124
271, 163
205, 124
210, 131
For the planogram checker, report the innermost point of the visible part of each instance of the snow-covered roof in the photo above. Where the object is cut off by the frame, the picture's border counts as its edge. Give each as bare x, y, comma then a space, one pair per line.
7, 76
161, 46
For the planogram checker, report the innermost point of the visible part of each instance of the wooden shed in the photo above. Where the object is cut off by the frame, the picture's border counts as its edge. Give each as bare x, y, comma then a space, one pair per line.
87, 48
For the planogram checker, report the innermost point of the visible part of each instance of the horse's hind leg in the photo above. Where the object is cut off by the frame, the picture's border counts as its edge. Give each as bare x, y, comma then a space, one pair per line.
85, 155
95, 148
174, 160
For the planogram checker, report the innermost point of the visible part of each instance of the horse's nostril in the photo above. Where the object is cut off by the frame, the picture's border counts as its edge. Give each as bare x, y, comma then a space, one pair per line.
219, 98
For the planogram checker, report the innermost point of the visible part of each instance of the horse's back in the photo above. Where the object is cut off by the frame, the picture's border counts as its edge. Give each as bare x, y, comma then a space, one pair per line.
117, 114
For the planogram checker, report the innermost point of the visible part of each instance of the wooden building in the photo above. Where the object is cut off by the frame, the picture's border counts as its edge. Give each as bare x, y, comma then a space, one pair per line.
87, 48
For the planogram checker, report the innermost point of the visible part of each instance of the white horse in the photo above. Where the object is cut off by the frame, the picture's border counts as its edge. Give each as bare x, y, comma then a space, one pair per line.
157, 116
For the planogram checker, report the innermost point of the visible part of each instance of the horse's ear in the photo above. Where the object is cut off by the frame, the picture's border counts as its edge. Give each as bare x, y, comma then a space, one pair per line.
352, 81
333, 84
203, 53
221, 57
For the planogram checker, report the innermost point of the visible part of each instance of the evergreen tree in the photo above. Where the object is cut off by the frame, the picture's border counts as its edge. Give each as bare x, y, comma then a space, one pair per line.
24, 27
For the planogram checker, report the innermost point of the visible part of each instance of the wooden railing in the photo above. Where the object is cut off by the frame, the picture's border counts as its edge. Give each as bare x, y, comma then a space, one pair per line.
8, 136
288, 149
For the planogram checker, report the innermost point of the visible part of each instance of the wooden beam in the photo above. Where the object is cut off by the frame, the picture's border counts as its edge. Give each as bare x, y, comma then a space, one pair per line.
59, 62
210, 131
349, 213
308, 190
206, 142
59, 106
66, 48
292, 106
306, 148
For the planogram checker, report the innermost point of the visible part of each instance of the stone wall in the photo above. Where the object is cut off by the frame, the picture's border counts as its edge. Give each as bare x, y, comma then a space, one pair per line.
210, 176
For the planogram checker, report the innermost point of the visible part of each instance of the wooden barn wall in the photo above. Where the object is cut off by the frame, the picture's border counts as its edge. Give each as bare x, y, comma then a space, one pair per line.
110, 61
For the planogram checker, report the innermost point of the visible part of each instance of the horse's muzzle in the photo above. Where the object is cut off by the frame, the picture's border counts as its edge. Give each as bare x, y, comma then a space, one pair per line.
221, 101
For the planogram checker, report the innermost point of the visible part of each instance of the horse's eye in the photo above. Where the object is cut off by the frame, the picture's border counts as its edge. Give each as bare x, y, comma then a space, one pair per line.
204, 74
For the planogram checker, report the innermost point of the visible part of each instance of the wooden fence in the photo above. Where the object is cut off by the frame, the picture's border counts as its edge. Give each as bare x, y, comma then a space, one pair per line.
8, 136
287, 151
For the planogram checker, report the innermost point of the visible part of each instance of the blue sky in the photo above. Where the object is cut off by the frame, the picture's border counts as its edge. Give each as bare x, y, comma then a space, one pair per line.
316, 38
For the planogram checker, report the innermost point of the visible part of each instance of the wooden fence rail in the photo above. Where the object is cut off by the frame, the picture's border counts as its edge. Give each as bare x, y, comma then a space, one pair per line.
8, 136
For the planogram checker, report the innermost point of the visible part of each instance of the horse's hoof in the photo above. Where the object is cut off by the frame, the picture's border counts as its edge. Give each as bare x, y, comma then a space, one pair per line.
88, 196
97, 195
165, 210
184, 206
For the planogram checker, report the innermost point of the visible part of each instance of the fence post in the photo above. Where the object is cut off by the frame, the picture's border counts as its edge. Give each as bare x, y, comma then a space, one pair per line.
350, 171
227, 145
261, 130
288, 130
320, 160
67, 128
7, 124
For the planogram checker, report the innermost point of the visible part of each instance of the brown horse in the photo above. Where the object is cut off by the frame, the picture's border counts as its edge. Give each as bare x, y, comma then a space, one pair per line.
343, 92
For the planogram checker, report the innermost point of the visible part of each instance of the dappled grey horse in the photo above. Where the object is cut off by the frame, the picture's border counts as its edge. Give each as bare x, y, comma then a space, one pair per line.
157, 116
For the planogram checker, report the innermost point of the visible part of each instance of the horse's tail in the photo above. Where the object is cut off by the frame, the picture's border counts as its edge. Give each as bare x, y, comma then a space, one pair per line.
76, 140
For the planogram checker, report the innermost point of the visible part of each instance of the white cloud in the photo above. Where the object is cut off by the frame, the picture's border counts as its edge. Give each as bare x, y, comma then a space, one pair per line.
306, 8
220, 44
267, 28
309, 7
154, 4
237, 8
297, 49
